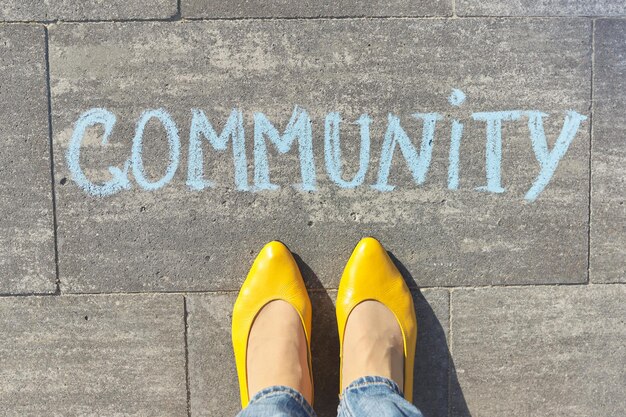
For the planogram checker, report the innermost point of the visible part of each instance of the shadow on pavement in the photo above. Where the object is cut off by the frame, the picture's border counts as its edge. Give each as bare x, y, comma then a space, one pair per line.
437, 391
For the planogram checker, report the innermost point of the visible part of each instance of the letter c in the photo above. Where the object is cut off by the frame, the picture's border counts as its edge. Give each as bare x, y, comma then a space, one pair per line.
119, 181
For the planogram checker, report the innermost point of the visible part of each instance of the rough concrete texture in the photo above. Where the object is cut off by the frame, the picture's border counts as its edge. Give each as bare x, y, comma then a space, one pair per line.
540, 8
608, 157
213, 376
542, 336
212, 373
176, 239
26, 224
38, 10
286, 8
539, 351
93, 355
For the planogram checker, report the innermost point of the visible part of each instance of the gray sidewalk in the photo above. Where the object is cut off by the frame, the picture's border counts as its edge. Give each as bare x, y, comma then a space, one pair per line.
123, 244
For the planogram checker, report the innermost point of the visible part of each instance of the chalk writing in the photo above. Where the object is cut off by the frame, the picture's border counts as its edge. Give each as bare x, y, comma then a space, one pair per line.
332, 150
120, 176
299, 129
200, 125
418, 162
174, 147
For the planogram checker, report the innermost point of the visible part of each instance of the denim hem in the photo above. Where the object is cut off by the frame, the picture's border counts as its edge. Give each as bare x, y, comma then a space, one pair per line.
283, 390
365, 381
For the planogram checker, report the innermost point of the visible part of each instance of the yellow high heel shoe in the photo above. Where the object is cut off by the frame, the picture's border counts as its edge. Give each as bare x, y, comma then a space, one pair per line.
371, 275
274, 276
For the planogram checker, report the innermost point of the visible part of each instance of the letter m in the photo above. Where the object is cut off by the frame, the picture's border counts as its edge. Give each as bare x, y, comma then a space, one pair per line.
298, 127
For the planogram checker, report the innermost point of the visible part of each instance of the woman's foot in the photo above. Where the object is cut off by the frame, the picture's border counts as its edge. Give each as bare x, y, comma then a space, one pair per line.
373, 344
277, 351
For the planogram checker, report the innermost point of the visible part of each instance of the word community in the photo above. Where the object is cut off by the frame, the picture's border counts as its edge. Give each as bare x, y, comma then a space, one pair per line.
299, 130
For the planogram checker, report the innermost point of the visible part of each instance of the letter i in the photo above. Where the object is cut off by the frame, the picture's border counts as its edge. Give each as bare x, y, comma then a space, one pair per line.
456, 99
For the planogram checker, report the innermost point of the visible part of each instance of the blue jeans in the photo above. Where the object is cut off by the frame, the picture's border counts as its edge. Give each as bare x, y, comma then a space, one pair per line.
370, 396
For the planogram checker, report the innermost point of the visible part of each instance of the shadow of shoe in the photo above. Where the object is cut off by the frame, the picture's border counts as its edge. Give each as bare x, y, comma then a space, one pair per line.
436, 390
324, 343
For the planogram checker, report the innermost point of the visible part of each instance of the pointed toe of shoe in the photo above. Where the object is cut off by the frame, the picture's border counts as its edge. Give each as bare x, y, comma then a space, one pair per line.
274, 275
370, 274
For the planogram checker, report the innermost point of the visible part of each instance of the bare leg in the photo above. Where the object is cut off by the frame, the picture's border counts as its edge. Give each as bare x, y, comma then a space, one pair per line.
277, 351
373, 344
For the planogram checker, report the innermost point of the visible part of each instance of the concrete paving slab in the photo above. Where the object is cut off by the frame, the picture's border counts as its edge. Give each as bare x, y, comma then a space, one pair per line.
432, 356
213, 378
540, 351
118, 355
608, 177
37, 10
212, 373
540, 8
343, 8
26, 225
175, 238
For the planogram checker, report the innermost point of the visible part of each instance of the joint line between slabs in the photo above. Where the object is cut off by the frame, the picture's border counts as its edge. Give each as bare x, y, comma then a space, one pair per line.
186, 334
593, 59
51, 151
177, 18
450, 359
